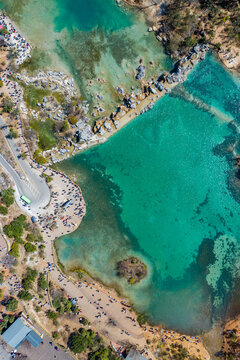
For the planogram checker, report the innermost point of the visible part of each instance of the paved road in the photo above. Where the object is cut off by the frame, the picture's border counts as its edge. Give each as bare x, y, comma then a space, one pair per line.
4, 355
33, 186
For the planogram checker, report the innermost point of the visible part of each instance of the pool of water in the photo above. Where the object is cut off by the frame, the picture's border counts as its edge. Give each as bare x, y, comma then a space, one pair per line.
93, 40
160, 189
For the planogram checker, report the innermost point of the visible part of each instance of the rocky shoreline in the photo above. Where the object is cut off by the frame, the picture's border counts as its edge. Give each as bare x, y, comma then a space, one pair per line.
138, 102
156, 14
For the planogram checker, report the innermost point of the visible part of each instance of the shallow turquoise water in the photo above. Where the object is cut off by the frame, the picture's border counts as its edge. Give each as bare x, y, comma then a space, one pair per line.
160, 189
92, 40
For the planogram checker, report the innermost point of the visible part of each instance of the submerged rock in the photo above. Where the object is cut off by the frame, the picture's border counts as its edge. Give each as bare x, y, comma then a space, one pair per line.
132, 269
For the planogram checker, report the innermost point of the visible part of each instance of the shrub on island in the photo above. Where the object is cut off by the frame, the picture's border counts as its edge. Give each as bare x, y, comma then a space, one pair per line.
132, 269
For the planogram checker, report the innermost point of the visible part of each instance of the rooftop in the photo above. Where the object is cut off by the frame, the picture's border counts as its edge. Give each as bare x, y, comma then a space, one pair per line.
19, 332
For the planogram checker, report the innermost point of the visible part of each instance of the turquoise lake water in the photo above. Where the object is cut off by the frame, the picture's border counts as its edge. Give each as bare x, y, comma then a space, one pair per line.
161, 189
92, 40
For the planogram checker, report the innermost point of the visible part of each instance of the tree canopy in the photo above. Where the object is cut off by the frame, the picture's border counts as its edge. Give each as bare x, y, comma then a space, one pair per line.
7, 197
42, 282
11, 304
29, 247
25, 295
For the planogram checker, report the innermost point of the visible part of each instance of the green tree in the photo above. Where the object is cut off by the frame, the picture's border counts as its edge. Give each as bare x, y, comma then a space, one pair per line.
29, 278
7, 104
3, 210
25, 295
52, 315
81, 340
7, 197
29, 247
15, 228
11, 304
41, 159
13, 133
103, 353
141, 319
65, 126
14, 251
42, 282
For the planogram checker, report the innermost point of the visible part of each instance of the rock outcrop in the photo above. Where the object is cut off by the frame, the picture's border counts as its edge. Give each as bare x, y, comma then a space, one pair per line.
132, 269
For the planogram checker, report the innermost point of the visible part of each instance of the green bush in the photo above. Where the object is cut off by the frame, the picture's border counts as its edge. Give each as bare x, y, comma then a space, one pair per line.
29, 247
29, 278
7, 104
14, 251
3, 210
25, 295
34, 236
11, 304
7, 197
42, 282
65, 126
141, 319
52, 315
49, 179
80, 341
41, 160
15, 228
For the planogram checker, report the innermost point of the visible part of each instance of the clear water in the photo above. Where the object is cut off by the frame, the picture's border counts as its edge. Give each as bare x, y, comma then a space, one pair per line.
164, 187
160, 189
92, 40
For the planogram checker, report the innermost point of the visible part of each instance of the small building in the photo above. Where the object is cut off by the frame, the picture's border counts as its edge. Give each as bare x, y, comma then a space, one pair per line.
19, 331
34, 219
135, 355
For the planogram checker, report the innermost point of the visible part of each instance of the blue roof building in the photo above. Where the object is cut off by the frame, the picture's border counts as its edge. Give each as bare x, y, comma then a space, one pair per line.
18, 332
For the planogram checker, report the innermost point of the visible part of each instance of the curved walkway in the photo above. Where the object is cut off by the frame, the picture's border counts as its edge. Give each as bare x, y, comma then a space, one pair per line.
32, 186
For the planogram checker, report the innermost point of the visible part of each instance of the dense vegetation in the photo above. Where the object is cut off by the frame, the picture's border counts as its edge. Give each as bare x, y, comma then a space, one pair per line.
25, 295
11, 304
63, 305
29, 278
188, 22
7, 320
15, 228
7, 197
87, 340
42, 282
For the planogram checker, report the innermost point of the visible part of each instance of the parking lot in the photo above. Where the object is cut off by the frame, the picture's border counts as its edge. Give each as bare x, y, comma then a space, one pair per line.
44, 351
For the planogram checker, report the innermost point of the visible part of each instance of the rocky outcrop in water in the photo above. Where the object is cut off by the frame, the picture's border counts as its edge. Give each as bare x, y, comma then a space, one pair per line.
140, 72
132, 269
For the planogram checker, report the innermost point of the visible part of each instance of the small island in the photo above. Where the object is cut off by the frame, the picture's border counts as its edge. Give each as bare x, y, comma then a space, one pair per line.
132, 269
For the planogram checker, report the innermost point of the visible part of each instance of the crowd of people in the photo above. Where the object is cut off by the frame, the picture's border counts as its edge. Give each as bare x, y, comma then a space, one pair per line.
14, 40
